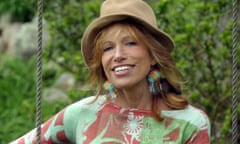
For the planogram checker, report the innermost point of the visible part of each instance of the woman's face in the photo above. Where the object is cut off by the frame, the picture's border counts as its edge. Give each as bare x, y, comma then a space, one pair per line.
125, 61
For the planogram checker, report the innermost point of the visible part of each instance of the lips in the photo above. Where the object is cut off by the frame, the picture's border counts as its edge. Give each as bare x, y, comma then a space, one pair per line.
122, 68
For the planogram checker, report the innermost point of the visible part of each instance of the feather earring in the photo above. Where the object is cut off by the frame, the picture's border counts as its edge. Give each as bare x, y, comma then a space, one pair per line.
154, 76
110, 88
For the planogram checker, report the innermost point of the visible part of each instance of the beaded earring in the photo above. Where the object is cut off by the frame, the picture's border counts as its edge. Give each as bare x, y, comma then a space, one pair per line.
153, 76
110, 88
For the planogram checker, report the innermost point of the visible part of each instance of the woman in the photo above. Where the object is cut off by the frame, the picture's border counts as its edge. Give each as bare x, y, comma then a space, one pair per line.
138, 97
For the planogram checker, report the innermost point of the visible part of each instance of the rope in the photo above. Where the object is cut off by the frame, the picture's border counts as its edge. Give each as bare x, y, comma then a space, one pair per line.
234, 74
39, 73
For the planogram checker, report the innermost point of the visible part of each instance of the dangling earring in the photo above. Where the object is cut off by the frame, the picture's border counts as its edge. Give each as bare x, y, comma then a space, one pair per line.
110, 87
153, 76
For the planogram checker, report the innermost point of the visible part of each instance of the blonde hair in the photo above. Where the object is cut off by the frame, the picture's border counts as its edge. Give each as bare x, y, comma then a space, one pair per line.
164, 63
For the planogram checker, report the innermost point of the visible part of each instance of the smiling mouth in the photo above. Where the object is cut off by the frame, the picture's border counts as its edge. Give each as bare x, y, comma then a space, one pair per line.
122, 68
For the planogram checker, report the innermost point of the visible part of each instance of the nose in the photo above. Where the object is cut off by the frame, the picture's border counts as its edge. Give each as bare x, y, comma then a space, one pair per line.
119, 54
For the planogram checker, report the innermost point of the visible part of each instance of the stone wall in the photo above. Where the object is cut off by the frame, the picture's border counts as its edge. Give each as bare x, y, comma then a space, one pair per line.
20, 40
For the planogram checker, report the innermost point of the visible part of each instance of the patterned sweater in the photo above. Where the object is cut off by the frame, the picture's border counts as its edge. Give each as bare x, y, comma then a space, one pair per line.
104, 122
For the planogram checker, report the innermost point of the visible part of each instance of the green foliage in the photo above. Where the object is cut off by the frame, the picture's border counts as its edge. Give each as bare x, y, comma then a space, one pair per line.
15, 92
21, 10
17, 96
67, 22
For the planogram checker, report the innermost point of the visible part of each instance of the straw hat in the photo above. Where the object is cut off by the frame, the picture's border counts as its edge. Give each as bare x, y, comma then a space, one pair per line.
117, 10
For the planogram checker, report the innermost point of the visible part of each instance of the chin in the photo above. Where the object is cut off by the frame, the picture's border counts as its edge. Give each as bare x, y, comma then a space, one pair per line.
123, 86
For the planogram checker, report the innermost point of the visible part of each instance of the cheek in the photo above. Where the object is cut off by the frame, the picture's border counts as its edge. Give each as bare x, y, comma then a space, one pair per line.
103, 61
106, 58
145, 57
153, 61
105, 64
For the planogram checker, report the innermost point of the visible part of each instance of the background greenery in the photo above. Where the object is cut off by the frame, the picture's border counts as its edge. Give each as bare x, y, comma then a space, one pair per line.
201, 30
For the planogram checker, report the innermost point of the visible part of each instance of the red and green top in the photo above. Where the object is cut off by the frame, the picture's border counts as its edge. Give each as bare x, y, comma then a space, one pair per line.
104, 122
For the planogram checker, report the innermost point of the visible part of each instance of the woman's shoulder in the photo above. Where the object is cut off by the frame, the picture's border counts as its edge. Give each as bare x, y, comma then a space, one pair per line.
191, 115
89, 102
82, 109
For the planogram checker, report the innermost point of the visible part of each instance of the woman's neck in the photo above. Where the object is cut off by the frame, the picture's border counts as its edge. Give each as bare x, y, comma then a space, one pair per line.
139, 98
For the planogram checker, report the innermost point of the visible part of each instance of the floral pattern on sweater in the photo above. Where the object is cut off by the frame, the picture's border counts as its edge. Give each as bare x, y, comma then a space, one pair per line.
104, 122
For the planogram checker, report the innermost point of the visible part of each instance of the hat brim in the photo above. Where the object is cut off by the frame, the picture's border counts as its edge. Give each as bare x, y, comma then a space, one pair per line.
98, 24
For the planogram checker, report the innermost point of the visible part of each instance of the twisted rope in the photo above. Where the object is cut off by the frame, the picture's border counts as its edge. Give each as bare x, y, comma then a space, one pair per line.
39, 73
234, 74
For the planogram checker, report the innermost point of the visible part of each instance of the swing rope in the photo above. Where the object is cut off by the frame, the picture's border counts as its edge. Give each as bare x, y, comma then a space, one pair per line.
234, 73
39, 73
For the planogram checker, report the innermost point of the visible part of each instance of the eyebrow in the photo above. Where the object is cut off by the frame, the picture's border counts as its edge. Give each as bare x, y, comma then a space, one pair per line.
107, 42
125, 38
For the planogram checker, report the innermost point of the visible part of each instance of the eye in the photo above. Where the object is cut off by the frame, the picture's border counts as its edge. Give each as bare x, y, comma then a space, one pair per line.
105, 49
131, 43
107, 46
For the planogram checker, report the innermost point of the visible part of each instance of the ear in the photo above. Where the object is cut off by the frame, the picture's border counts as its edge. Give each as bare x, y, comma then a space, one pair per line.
153, 62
